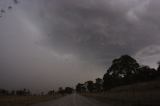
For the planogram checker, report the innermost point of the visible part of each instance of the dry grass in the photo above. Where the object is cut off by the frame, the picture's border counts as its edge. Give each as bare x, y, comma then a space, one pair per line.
24, 100
142, 94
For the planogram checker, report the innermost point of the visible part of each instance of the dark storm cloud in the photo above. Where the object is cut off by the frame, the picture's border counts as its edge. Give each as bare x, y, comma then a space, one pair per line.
50, 43
102, 30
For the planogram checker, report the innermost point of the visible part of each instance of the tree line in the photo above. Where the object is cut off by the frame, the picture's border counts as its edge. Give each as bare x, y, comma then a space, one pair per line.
23, 92
61, 91
27, 92
123, 71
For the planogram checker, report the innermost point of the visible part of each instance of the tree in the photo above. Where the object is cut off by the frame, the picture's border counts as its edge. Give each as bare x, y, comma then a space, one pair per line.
51, 92
108, 81
99, 85
123, 67
120, 71
90, 86
24, 92
80, 88
4, 92
158, 69
61, 91
13, 92
68, 90
145, 73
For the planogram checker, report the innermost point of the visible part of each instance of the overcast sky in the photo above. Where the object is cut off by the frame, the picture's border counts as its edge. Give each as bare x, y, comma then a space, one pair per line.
45, 44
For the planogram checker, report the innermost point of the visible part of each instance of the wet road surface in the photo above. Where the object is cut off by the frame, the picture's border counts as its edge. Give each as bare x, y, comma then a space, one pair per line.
72, 100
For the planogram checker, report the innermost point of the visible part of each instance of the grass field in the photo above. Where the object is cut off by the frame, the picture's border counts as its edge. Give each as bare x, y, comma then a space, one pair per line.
24, 100
142, 94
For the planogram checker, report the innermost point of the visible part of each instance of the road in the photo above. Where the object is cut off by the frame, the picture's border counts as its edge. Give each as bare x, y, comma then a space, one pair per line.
72, 100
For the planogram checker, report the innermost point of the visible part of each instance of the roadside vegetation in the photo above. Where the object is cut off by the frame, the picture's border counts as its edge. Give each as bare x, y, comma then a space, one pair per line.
139, 94
24, 100
25, 97
125, 82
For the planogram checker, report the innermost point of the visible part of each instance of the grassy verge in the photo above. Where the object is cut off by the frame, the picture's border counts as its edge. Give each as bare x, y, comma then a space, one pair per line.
24, 100
142, 94
129, 99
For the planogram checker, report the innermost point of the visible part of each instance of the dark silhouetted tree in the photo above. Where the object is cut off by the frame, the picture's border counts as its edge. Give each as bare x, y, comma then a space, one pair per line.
4, 92
109, 81
121, 68
99, 85
158, 69
90, 86
145, 73
24, 92
13, 92
51, 93
68, 90
61, 91
80, 88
